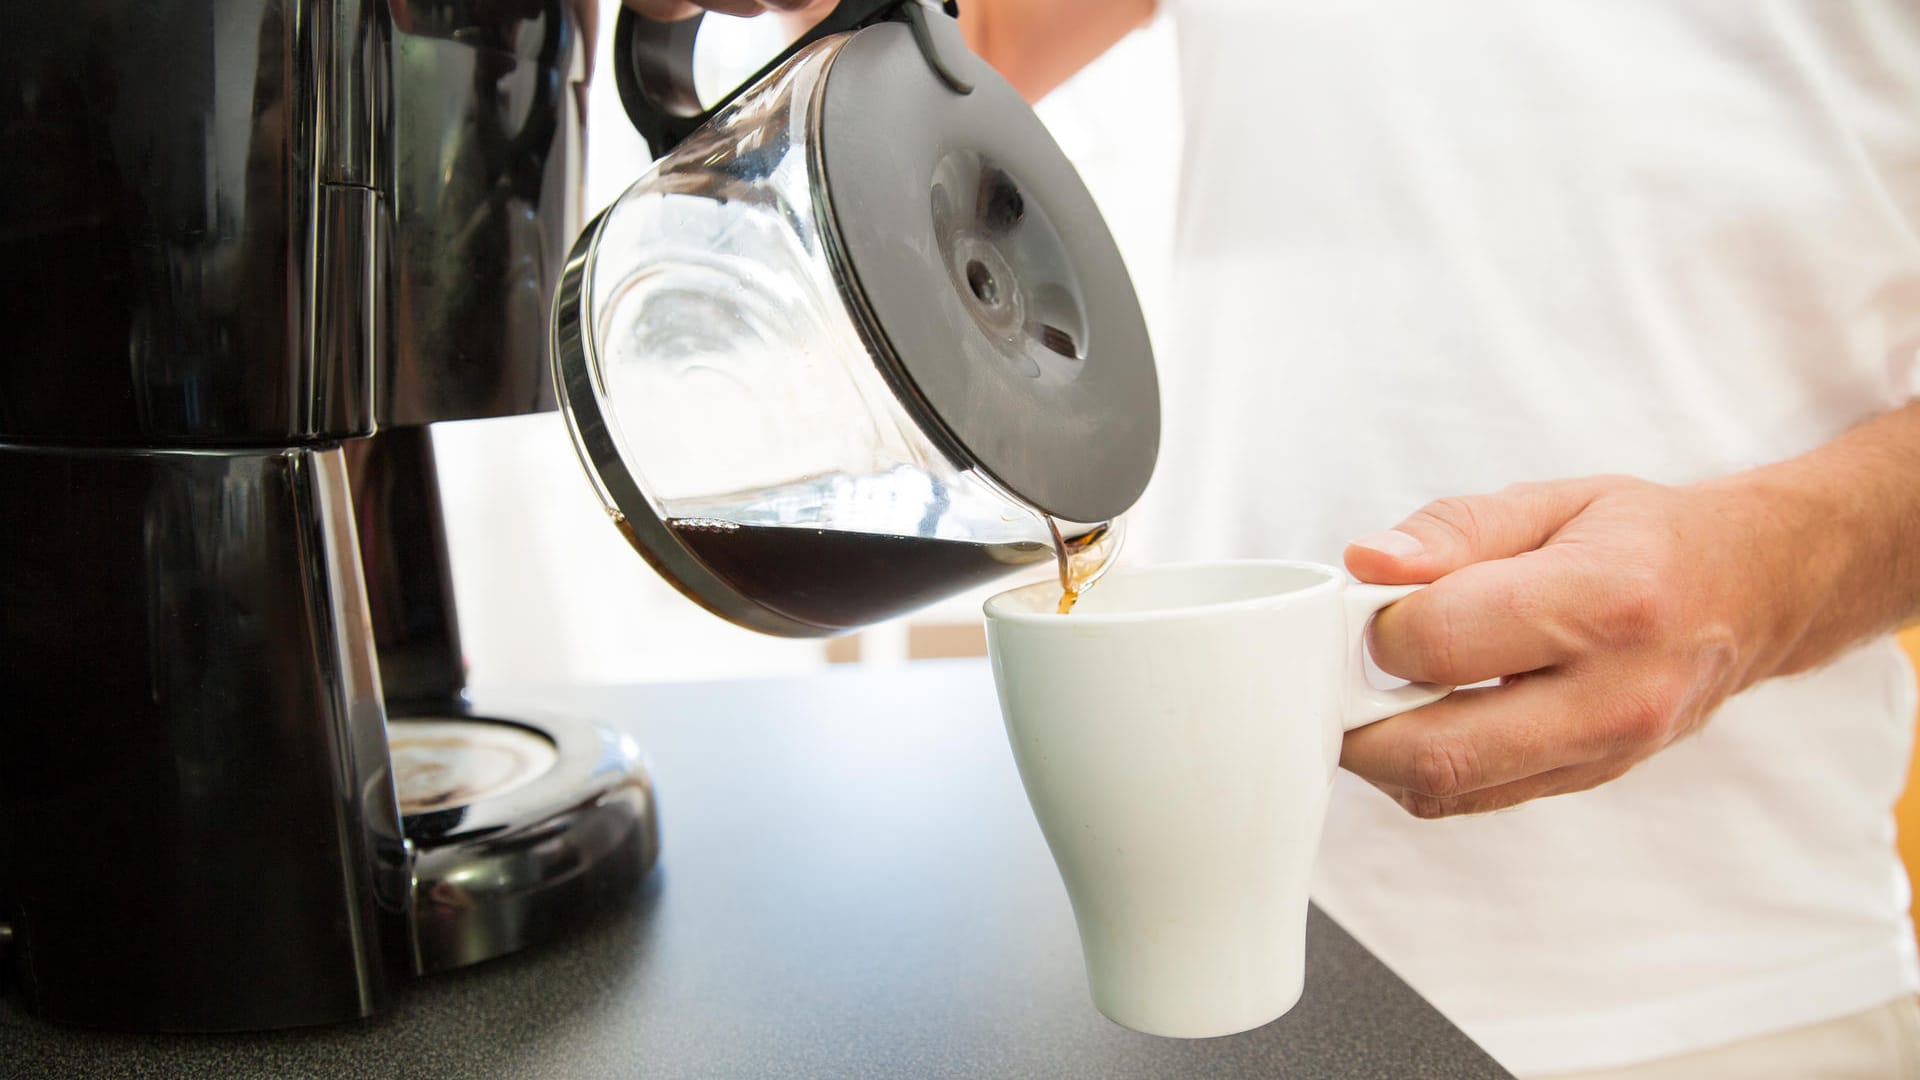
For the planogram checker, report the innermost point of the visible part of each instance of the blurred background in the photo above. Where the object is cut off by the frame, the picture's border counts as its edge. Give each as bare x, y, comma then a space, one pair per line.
548, 592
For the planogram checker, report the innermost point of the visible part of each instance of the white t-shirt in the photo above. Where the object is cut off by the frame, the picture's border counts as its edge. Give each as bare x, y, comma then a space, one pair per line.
1434, 248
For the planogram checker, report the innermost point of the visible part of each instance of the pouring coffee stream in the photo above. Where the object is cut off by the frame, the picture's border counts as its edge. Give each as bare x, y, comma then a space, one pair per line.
1084, 559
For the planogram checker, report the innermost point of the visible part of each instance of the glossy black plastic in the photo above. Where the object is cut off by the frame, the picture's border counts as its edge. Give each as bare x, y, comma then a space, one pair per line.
970, 246
186, 245
258, 222
403, 552
197, 828
232, 234
503, 871
488, 154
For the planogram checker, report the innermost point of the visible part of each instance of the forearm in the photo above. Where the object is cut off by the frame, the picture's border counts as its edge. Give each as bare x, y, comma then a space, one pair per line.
1039, 44
1839, 530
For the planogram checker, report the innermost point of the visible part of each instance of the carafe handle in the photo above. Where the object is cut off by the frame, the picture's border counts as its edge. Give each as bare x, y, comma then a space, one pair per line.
653, 63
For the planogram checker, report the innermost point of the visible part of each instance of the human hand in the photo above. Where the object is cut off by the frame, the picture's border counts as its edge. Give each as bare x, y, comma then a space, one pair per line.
670, 10
1616, 613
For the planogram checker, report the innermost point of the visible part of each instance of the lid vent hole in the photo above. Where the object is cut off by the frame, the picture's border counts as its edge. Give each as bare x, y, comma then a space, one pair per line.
980, 280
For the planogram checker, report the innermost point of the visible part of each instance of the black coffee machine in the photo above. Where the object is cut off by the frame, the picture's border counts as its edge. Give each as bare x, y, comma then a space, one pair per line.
250, 249
237, 238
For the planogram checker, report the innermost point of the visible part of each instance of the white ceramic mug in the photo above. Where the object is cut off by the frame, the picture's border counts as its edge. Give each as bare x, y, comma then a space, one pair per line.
1178, 735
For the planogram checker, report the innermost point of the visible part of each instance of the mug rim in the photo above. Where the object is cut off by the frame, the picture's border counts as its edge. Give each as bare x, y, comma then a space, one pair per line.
1330, 578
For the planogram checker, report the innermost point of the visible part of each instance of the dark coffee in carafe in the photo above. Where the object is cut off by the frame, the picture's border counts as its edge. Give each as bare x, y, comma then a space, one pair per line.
841, 580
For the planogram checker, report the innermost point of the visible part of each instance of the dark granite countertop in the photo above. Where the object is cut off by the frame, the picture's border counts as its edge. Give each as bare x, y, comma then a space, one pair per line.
850, 885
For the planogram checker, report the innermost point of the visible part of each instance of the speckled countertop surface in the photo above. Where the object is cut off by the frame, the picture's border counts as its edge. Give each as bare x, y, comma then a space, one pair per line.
850, 885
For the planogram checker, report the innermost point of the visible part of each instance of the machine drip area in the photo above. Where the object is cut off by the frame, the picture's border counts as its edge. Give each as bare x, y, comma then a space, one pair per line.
449, 763
519, 827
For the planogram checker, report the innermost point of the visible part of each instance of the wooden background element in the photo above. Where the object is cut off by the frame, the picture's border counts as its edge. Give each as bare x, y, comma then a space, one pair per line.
1907, 810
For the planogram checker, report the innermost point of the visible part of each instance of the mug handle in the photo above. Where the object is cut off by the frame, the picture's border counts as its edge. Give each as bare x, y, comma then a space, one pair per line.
1363, 703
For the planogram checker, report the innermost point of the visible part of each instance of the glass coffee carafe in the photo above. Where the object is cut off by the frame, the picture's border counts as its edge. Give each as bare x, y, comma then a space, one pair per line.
860, 340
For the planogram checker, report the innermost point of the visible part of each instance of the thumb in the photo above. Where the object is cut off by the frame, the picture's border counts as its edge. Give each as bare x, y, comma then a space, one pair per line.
1450, 533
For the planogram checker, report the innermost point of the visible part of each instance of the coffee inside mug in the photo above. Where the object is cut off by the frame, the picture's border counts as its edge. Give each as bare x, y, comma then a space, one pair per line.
1165, 591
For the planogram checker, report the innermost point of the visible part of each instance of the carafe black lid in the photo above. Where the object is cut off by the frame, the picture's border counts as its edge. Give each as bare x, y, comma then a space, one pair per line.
974, 253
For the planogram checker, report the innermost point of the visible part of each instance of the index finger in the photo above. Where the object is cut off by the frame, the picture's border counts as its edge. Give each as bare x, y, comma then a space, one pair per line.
1486, 620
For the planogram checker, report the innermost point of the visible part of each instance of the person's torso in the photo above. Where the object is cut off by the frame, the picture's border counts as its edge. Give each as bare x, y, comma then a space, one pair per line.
1434, 249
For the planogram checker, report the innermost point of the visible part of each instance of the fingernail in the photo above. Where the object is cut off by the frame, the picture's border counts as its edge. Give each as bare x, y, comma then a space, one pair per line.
1393, 543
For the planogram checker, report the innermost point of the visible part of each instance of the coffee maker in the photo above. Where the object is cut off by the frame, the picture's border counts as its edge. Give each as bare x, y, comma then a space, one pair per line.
251, 249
